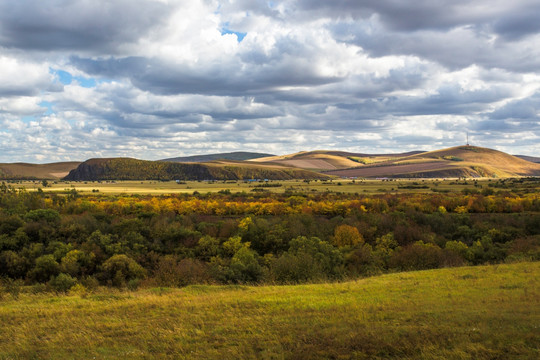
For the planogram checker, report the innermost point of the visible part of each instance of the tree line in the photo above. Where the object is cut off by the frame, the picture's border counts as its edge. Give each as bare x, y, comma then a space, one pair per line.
61, 241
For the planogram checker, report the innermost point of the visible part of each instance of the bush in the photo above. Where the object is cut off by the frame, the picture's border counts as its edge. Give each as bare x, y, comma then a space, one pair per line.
46, 267
170, 272
418, 256
308, 259
43, 215
12, 264
119, 269
79, 290
11, 287
244, 267
62, 283
363, 261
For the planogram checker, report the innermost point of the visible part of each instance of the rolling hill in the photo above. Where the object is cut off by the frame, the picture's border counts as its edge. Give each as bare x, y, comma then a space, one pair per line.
533, 159
237, 155
133, 169
323, 160
460, 161
25, 171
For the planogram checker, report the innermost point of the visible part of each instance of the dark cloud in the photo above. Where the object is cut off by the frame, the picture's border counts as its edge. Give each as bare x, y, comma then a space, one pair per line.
455, 49
518, 22
160, 77
522, 109
76, 25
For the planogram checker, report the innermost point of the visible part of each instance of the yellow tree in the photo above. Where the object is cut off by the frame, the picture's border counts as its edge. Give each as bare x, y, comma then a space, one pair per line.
346, 235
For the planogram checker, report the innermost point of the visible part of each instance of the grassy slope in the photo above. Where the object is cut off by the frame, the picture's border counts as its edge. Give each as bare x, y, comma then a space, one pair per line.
471, 161
492, 160
534, 159
487, 312
322, 160
36, 171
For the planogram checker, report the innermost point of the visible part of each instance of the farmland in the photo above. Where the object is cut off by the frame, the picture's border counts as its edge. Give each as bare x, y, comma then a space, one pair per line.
361, 186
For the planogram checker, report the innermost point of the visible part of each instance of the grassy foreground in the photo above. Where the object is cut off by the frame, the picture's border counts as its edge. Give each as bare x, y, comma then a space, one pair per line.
484, 312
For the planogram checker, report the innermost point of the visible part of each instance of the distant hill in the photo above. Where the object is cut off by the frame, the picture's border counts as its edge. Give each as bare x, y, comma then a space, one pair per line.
133, 169
466, 161
460, 161
533, 159
325, 160
237, 155
24, 171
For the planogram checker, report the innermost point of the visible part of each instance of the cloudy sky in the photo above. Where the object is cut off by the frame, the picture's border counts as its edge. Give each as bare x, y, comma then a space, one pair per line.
161, 78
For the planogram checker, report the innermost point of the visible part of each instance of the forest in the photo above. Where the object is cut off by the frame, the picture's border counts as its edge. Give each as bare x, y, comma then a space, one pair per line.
60, 241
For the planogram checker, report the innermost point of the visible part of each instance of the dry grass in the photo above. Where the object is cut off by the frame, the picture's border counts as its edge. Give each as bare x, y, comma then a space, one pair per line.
315, 160
488, 312
40, 171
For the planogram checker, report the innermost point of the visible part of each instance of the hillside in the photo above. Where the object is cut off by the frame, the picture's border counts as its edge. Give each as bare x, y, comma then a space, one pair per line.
466, 161
533, 159
237, 155
484, 312
20, 171
324, 160
133, 169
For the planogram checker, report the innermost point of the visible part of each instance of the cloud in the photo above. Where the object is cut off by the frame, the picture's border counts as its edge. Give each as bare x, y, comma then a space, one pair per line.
161, 78
80, 25
22, 78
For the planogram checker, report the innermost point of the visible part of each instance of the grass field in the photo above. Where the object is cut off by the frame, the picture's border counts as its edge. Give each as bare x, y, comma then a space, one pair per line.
338, 185
484, 312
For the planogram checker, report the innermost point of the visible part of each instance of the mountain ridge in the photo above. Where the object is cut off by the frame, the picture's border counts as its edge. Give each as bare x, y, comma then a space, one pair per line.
459, 161
235, 155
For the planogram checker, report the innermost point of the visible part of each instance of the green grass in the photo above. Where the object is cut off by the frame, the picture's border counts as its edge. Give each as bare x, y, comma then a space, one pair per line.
485, 312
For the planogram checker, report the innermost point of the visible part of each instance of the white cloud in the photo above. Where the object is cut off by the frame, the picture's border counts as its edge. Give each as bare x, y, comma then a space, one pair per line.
350, 75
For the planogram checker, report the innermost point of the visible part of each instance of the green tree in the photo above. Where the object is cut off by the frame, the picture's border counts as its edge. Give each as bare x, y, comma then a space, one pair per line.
62, 282
244, 266
119, 269
46, 267
308, 259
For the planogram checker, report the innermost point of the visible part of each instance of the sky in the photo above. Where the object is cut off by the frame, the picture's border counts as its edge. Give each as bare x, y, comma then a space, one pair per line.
154, 79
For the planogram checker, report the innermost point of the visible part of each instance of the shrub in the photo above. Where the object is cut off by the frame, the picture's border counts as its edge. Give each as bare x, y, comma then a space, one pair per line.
363, 261
171, 272
45, 215
244, 266
120, 268
12, 264
45, 268
62, 283
308, 259
418, 256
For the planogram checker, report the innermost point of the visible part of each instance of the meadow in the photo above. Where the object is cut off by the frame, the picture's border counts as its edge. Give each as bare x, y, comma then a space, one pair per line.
483, 312
361, 186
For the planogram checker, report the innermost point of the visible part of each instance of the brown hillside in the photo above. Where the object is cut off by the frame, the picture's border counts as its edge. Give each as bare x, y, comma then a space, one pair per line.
53, 171
315, 160
468, 161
